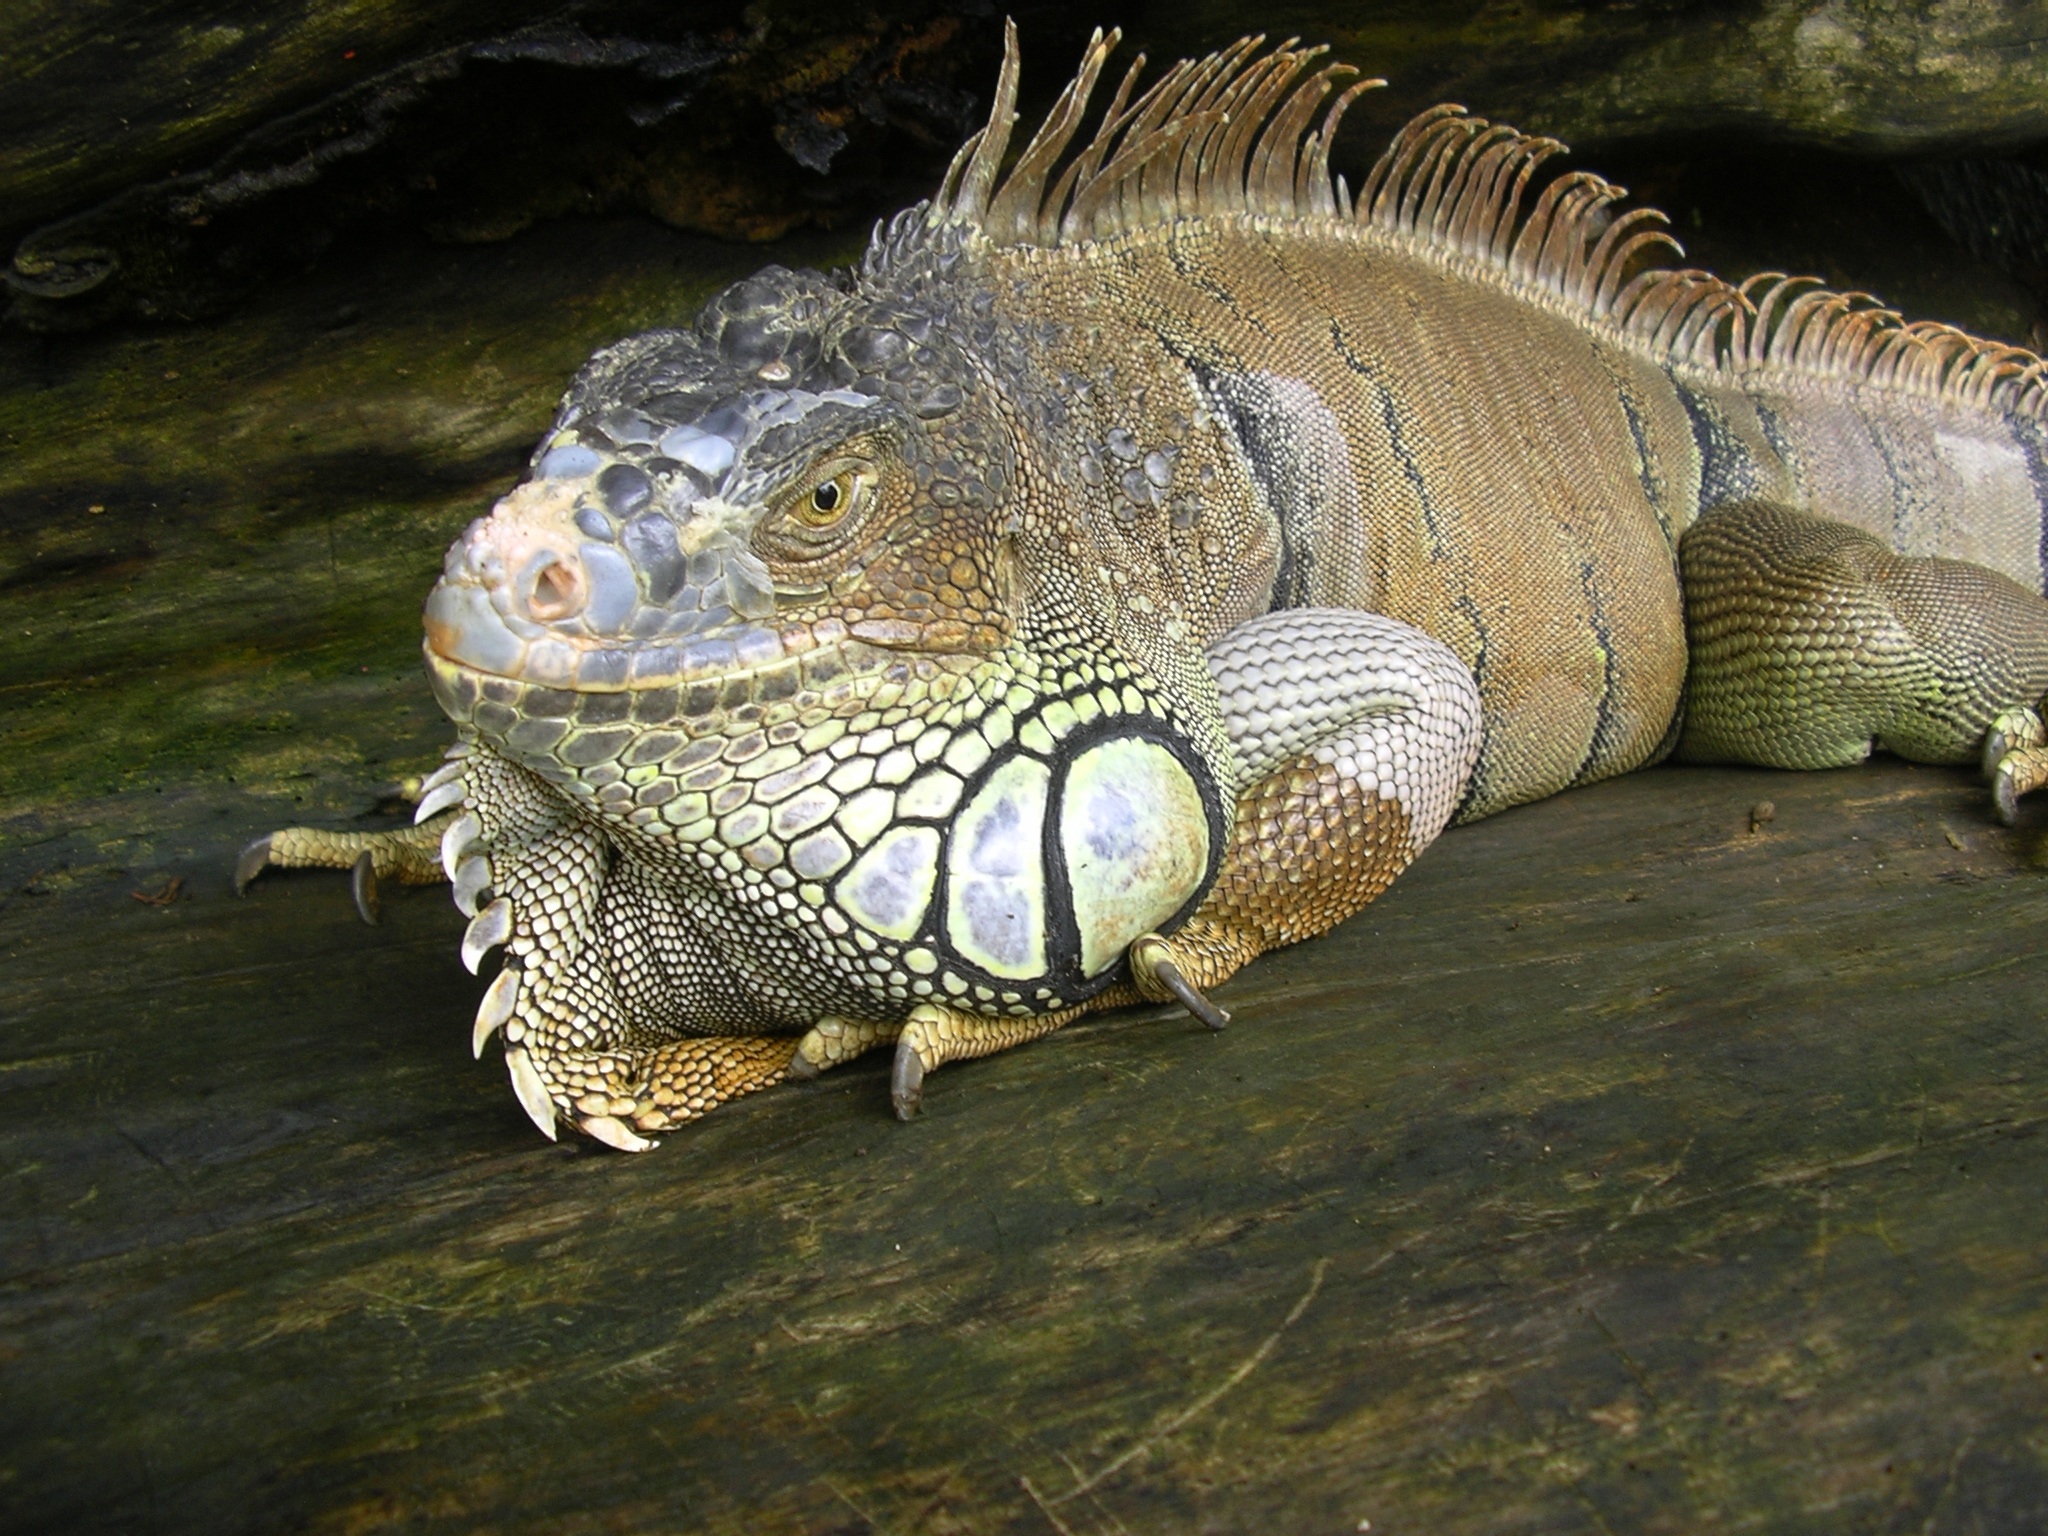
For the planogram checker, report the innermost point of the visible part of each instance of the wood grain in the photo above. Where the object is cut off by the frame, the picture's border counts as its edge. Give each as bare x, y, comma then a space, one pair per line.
1623, 1169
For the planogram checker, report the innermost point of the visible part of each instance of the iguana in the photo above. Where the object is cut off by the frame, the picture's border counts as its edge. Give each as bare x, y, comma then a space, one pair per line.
1138, 561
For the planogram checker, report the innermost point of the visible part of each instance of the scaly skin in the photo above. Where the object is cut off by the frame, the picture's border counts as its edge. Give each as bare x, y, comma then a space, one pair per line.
1133, 567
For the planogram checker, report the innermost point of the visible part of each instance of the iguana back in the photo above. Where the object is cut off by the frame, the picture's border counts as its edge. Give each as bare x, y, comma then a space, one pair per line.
1419, 445
1466, 406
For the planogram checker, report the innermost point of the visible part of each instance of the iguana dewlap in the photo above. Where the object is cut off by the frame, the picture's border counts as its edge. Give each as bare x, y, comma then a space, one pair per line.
1141, 558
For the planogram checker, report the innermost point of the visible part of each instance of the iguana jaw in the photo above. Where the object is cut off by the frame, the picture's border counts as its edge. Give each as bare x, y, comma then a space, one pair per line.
546, 591
537, 724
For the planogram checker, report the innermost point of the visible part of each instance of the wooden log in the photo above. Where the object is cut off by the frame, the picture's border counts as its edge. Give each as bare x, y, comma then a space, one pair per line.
1628, 1167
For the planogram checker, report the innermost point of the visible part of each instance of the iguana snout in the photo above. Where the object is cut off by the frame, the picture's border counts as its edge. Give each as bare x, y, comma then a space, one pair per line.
599, 575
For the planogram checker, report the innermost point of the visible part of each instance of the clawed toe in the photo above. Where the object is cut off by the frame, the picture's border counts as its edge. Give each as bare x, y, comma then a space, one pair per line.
935, 1034
615, 1133
906, 1080
250, 863
406, 854
2015, 759
834, 1041
531, 1089
362, 884
2019, 771
1170, 978
1157, 970
622, 1099
2012, 729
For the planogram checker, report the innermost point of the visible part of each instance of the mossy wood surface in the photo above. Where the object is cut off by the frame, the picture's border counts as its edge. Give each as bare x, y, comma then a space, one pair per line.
1622, 1170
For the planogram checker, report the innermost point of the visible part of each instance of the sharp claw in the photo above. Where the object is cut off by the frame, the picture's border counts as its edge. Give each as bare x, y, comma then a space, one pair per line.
472, 880
487, 930
1996, 745
495, 1009
362, 884
441, 775
250, 863
2003, 797
437, 800
906, 1081
1170, 978
462, 831
615, 1133
1152, 965
2020, 726
533, 1093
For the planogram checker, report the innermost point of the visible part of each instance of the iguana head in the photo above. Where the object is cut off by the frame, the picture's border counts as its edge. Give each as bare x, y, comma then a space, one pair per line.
800, 473
756, 610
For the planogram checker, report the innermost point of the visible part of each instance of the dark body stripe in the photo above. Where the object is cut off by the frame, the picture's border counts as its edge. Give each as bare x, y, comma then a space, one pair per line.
1728, 470
2032, 440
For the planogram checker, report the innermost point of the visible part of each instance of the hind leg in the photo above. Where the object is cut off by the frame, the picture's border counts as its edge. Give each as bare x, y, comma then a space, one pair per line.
1811, 643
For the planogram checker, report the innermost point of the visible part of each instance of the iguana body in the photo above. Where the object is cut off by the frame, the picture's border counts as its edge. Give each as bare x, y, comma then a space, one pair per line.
1134, 566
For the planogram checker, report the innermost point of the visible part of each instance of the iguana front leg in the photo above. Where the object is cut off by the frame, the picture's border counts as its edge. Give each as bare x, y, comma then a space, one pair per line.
617, 1014
410, 855
1355, 736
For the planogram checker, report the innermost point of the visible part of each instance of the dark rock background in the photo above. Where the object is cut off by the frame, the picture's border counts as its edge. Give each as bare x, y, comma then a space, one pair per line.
155, 163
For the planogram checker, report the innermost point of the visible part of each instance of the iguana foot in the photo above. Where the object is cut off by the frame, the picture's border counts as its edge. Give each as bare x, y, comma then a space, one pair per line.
617, 1019
2015, 759
832, 1042
620, 1097
935, 1034
410, 855
413, 855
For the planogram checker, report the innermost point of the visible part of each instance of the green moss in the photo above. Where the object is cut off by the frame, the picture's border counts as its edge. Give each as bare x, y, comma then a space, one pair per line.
273, 497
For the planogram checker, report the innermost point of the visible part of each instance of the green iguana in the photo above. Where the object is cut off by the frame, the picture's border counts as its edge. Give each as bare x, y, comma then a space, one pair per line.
1142, 557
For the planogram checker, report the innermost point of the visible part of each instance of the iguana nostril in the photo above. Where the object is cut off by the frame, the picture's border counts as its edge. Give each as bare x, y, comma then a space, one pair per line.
558, 591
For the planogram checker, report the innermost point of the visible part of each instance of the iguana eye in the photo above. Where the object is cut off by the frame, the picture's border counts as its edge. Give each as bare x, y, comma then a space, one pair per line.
818, 516
830, 500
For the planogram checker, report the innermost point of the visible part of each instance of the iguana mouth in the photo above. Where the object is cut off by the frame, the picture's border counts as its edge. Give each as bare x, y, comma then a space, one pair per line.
597, 577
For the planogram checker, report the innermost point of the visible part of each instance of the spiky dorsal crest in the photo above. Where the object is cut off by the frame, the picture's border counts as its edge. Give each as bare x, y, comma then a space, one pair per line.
1230, 135
1204, 139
